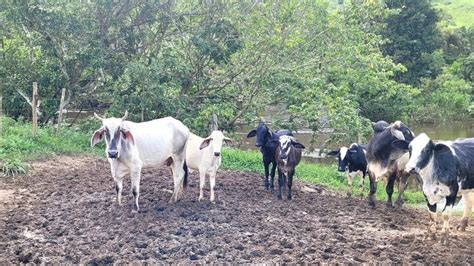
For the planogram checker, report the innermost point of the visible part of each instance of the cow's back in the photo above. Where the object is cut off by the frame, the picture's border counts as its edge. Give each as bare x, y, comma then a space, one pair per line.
158, 139
464, 149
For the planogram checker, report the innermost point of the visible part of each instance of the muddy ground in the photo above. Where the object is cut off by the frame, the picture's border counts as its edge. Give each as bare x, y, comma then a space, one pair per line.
64, 211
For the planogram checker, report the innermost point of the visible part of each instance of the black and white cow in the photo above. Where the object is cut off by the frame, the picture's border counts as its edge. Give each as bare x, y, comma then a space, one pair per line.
447, 170
288, 156
353, 161
386, 161
267, 141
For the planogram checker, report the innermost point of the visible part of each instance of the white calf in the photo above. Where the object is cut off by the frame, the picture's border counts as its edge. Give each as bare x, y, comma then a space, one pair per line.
133, 146
204, 155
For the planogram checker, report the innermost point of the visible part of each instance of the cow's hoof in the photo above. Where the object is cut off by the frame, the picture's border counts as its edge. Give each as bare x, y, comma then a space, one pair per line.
462, 226
444, 238
399, 203
429, 236
389, 205
290, 197
371, 206
279, 197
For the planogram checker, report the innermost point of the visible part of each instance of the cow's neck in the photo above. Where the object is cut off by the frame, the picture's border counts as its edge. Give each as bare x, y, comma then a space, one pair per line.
426, 173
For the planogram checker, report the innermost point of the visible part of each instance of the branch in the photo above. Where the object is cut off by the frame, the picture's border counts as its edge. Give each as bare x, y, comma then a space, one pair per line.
28, 100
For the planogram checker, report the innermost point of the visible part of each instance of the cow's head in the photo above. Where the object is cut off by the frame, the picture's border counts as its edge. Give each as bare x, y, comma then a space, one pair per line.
217, 138
286, 144
116, 134
438, 159
343, 155
262, 132
383, 150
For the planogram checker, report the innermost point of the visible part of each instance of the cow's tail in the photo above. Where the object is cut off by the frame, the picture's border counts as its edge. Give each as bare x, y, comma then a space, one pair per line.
185, 180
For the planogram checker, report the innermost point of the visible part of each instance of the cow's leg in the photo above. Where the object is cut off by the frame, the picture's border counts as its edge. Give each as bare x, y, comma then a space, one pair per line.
118, 171
281, 183
362, 179
178, 176
389, 189
212, 181
402, 185
135, 174
118, 190
290, 183
272, 175
373, 190
202, 183
431, 232
468, 204
350, 179
446, 216
266, 166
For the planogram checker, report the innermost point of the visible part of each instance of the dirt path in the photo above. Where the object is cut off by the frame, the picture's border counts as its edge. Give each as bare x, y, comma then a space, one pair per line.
64, 211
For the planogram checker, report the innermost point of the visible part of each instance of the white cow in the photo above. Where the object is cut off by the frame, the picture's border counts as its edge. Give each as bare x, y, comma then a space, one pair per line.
133, 146
204, 155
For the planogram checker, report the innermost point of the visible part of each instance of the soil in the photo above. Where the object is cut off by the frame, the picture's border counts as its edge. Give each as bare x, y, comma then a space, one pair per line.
64, 210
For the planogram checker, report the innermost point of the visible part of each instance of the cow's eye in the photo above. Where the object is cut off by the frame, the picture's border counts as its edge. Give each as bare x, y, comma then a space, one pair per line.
107, 134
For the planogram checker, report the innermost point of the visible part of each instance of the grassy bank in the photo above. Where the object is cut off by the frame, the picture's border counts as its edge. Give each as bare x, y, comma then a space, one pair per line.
460, 10
315, 173
18, 148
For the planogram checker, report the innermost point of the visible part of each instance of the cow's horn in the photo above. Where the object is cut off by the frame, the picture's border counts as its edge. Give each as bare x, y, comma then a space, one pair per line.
125, 115
98, 117
397, 124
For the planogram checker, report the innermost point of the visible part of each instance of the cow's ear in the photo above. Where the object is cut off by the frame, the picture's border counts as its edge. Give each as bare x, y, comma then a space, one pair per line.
441, 148
228, 141
334, 153
252, 133
398, 149
97, 137
298, 145
401, 144
397, 133
128, 135
205, 143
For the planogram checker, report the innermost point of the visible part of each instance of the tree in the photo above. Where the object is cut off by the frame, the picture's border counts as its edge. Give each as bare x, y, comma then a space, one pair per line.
413, 38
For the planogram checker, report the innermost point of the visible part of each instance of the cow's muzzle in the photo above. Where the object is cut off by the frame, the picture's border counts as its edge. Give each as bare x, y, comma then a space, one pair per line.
112, 154
217, 154
412, 170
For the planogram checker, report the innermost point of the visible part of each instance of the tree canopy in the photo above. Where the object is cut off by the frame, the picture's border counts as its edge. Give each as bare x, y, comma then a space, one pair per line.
326, 66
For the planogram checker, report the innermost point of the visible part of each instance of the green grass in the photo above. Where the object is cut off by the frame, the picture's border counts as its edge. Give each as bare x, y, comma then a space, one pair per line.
18, 147
325, 175
461, 11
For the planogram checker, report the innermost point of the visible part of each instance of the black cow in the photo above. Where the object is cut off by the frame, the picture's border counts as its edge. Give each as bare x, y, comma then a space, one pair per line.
447, 170
387, 161
354, 161
267, 141
288, 156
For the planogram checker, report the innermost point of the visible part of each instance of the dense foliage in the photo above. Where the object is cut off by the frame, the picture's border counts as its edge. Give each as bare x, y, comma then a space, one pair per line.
317, 64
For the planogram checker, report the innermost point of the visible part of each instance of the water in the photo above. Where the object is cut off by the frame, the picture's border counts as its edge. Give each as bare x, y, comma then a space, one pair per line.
436, 131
